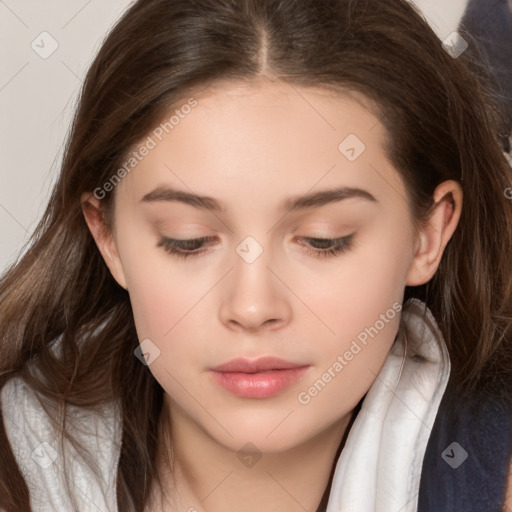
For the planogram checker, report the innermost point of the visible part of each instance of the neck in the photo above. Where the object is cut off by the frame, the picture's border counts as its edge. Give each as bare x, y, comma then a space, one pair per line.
202, 475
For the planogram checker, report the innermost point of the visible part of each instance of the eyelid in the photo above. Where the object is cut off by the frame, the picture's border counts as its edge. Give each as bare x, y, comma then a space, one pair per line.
339, 246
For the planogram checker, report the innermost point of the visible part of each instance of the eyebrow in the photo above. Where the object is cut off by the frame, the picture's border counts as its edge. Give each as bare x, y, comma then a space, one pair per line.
294, 203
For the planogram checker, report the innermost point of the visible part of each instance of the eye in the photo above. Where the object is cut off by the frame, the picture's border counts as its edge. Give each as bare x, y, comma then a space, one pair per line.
194, 246
184, 248
328, 246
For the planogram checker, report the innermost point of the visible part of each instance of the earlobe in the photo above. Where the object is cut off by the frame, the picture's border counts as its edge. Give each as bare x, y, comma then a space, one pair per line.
435, 234
105, 241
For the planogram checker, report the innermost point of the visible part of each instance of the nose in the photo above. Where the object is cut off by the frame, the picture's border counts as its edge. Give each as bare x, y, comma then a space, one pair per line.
255, 297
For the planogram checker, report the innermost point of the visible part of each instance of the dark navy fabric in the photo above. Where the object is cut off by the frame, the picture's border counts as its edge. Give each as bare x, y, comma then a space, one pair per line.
454, 482
489, 22
482, 426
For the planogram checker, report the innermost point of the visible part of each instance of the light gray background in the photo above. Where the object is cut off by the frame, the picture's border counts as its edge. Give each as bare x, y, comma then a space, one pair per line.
38, 95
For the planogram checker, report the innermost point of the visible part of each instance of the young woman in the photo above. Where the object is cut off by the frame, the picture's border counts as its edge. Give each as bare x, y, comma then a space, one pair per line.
274, 273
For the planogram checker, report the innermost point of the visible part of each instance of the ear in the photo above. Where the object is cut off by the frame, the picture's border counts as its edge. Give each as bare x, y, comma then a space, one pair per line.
105, 241
435, 234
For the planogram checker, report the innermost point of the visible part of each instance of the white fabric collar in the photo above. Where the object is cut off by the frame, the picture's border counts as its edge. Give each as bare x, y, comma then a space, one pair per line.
39, 453
379, 468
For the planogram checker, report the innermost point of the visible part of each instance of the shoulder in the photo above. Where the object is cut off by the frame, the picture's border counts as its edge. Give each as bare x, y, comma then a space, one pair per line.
25, 408
49, 461
468, 456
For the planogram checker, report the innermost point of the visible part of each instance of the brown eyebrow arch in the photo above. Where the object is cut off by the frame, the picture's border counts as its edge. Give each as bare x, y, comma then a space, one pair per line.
294, 203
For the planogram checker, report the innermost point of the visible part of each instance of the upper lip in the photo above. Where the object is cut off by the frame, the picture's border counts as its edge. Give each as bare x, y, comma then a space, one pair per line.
260, 364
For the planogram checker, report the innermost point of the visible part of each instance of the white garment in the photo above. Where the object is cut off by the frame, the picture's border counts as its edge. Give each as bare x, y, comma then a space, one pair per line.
379, 468
39, 455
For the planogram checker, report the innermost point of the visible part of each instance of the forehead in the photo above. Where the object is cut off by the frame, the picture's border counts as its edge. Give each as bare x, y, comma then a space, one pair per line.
263, 98
274, 138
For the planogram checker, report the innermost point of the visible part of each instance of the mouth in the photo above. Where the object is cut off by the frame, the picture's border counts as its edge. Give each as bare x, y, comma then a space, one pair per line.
258, 365
258, 378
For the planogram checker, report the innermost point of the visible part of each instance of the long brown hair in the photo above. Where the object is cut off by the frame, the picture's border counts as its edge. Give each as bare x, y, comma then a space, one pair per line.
442, 124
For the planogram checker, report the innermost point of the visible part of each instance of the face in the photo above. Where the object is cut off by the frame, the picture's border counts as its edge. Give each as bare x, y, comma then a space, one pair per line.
247, 271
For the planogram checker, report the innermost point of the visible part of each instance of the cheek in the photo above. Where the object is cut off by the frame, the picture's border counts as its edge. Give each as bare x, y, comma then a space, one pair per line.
365, 319
353, 295
166, 311
160, 293
361, 304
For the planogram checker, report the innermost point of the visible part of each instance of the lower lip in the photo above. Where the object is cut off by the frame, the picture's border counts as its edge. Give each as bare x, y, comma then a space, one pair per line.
258, 385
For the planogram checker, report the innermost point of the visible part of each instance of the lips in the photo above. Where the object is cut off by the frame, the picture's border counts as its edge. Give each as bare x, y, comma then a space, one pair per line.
262, 364
257, 378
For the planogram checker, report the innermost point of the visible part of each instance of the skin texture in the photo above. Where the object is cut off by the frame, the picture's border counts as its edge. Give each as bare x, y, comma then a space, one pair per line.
250, 147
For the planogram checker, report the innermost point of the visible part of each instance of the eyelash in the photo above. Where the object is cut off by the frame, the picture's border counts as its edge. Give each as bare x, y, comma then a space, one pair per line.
341, 245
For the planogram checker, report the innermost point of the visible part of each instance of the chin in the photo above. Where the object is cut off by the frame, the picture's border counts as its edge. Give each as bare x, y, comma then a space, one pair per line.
268, 433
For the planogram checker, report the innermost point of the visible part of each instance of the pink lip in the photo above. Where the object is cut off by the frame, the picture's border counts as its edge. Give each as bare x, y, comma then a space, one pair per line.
257, 378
